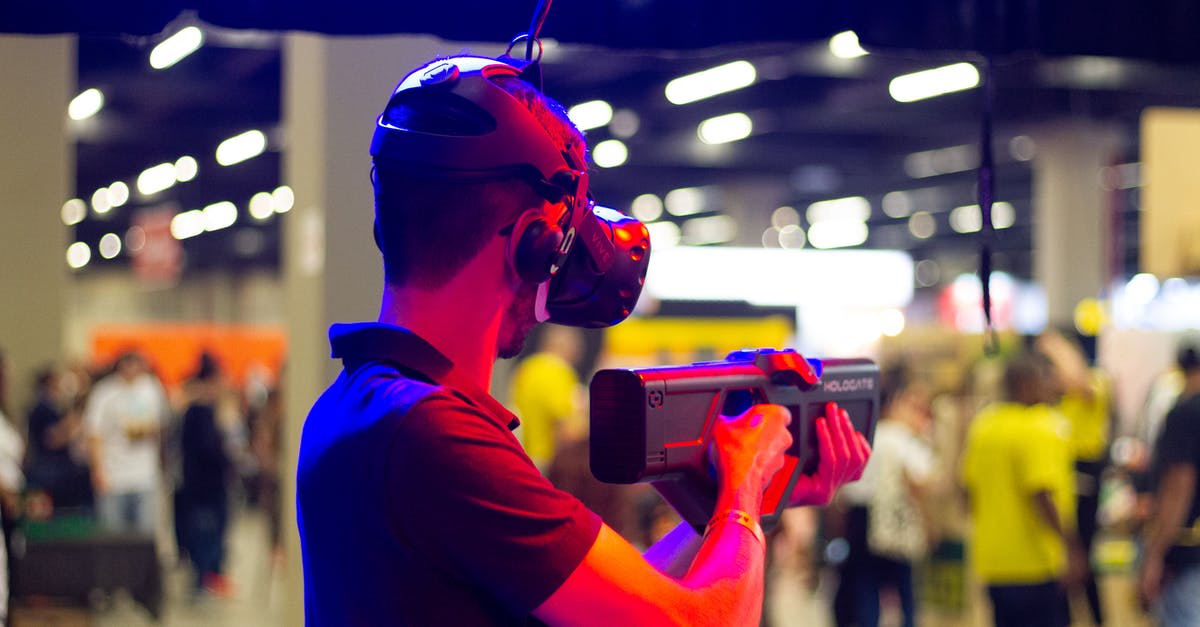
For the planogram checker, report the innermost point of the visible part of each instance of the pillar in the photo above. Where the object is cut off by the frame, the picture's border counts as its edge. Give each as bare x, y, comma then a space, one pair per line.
1071, 231
36, 176
334, 88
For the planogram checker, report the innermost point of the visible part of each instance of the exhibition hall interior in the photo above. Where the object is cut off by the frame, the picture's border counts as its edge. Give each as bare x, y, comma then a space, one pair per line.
960, 192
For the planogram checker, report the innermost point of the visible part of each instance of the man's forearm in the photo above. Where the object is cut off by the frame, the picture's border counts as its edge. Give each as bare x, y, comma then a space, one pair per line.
1044, 504
1173, 502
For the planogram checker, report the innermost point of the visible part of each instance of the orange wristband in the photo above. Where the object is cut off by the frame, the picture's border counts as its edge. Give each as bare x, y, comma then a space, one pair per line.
741, 518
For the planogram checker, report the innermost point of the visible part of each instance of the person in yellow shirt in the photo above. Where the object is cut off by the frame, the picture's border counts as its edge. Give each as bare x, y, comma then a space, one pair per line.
546, 391
1017, 469
1086, 404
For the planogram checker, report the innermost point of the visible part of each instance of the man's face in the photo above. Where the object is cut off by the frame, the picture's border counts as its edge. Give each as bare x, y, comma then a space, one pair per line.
519, 319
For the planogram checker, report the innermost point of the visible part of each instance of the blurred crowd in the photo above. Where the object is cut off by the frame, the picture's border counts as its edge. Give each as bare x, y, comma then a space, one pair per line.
114, 452
1003, 500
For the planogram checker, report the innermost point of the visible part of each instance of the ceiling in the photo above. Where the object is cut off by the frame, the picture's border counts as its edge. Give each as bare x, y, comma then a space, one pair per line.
824, 127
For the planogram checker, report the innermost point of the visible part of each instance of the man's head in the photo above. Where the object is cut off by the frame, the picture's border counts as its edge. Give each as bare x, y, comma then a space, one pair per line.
1029, 379
129, 366
430, 221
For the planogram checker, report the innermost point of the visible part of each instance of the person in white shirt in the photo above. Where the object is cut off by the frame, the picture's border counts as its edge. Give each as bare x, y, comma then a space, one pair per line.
886, 528
124, 417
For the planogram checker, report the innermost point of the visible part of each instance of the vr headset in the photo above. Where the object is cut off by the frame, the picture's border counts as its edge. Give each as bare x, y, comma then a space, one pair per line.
590, 266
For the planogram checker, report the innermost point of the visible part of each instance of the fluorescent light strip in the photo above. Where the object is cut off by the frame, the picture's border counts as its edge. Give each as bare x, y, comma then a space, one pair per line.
174, 48
935, 82
844, 45
589, 115
610, 153
241, 147
86, 104
710, 82
725, 128
853, 209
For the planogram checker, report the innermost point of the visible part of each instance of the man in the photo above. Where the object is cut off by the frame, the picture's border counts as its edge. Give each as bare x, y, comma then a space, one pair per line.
1170, 570
1018, 471
123, 419
887, 526
545, 392
1086, 403
416, 504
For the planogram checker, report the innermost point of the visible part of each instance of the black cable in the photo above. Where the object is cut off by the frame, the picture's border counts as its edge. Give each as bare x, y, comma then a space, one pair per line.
986, 193
535, 26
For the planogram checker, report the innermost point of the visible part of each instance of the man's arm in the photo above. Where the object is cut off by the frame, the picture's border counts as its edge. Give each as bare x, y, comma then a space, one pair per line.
724, 585
1173, 502
843, 453
1043, 503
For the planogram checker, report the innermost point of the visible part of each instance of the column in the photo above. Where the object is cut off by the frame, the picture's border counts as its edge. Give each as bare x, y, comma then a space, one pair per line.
334, 88
1071, 222
36, 176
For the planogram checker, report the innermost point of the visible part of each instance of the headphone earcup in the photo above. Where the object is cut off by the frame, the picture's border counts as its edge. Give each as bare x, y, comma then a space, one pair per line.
533, 246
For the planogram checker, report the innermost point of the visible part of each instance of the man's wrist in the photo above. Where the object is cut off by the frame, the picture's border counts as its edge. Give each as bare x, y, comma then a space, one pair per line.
738, 517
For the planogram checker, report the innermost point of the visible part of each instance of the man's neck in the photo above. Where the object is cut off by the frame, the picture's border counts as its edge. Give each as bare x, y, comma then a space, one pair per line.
456, 319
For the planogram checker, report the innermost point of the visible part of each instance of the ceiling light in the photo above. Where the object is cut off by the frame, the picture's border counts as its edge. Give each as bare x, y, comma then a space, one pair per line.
78, 255
684, 201
101, 203
86, 104
791, 236
647, 207
837, 234
118, 193
187, 224
947, 160
135, 239
897, 204
966, 219
1003, 215
284, 199
74, 211
174, 48
785, 216
241, 147
186, 169
935, 82
155, 179
725, 128
852, 209
709, 230
110, 245
844, 45
922, 225
624, 124
262, 206
219, 215
710, 82
591, 114
663, 234
610, 153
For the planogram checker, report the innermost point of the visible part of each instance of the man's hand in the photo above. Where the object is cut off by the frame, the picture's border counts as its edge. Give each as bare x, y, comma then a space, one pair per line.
748, 450
1077, 563
844, 453
1150, 580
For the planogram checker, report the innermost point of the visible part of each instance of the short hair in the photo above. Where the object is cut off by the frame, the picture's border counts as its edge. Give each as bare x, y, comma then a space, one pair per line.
428, 227
894, 380
1024, 369
1188, 357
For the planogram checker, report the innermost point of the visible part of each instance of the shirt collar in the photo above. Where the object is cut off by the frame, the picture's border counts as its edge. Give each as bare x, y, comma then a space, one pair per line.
360, 342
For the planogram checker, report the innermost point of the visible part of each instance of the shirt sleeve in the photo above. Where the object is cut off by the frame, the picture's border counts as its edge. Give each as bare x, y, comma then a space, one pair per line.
465, 495
1179, 442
